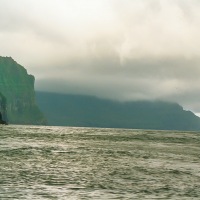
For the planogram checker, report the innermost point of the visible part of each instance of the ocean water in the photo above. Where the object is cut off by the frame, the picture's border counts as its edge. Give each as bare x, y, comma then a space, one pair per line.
39, 162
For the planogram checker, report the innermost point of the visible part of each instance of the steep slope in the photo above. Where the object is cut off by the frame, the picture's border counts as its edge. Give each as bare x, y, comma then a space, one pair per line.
18, 89
77, 110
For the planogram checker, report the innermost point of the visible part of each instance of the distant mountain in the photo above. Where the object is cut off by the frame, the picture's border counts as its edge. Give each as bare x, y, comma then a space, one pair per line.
17, 95
88, 111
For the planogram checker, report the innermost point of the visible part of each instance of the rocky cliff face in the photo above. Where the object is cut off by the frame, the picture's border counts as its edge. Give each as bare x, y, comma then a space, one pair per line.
3, 115
17, 94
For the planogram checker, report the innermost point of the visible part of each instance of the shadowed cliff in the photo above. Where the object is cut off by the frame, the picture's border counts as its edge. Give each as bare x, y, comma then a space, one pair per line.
17, 88
3, 114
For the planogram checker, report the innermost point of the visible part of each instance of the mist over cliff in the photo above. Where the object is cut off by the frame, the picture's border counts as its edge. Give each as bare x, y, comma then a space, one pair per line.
90, 111
18, 106
17, 95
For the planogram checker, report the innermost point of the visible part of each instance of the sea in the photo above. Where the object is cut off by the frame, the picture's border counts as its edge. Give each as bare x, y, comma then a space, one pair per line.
73, 163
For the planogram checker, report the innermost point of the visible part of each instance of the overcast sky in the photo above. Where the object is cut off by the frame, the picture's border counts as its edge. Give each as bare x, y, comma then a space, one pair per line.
118, 49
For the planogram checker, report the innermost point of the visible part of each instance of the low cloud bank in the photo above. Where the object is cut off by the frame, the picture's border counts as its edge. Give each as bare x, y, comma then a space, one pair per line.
123, 50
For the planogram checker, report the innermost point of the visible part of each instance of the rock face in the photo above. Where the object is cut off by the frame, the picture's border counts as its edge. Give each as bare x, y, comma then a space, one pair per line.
1, 119
17, 98
2, 109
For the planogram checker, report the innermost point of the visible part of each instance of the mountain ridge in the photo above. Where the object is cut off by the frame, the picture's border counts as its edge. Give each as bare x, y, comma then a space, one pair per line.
89, 111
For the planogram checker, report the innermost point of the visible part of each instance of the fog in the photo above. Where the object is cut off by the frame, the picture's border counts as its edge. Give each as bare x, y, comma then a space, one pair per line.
116, 49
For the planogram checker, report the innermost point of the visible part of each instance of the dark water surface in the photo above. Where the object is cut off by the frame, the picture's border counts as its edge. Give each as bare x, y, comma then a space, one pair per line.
91, 163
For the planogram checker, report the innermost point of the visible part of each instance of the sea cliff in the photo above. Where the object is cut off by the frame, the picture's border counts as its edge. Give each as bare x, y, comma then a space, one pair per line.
17, 95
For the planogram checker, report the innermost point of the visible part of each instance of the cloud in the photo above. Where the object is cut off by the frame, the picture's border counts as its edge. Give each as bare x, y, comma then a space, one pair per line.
118, 49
